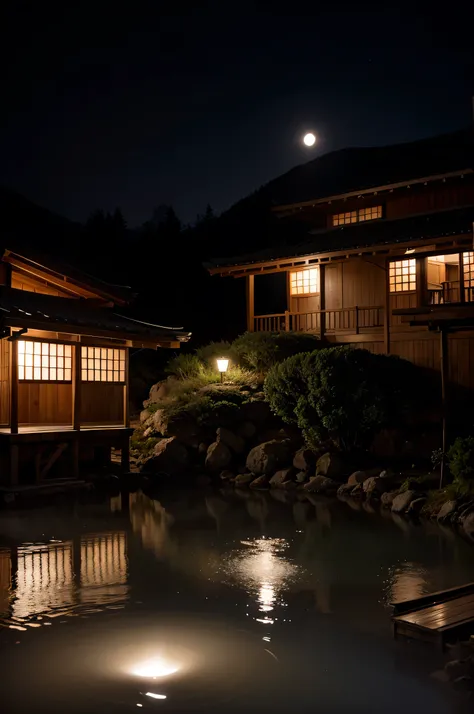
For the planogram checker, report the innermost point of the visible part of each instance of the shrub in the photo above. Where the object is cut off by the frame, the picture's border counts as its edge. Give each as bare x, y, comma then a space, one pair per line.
208, 354
341, 394
461, 459
184, 366
261, 350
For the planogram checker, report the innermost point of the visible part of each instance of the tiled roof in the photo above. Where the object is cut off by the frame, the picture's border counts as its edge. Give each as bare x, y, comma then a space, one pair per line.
56, 312
362, 235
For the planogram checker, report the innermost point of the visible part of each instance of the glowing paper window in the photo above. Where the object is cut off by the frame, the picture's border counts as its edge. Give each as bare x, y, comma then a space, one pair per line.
363, 214
44, 361
102, 364
402, 275
468, 269
304, 282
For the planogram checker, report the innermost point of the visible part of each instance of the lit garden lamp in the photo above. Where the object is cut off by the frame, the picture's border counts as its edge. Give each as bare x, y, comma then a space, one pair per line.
222, 366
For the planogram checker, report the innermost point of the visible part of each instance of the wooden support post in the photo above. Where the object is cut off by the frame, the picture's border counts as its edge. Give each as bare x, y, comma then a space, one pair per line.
357, 319
444, 398
125, 451
421, 282
287, 320
250, 295
462, 296
387, 309
76, 387
322, 301
14, 387
14, 463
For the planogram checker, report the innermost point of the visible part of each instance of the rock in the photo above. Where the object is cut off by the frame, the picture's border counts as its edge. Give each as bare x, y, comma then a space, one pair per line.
464, 684
459, 668
332, 466
447, 510
148, 432
163, 389
357, 491
233, 441
226, 475
357, 477
261, 482
304, 459
279, 478
202, 448
344, 490
243, 479
467, 523
288, 485
386, 473
169, 456
321, 484
416, 505
247, 430
218, 456
375, 485
464, 510
144, 414
401, 502
301, 476
268, 457
386, 499
257, 412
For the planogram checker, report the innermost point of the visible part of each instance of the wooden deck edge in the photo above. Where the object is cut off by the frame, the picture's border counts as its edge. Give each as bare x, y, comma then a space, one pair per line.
406, 606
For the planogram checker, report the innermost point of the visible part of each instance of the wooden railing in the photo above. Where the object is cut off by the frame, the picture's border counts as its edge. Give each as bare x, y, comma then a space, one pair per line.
348, 319
450, 292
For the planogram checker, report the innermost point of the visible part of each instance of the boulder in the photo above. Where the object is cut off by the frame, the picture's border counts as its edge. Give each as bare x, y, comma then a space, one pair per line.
233, 441
226, 475
321, 484
144, 414
332, 466
375, 486
301, 476
357, 491
256, 412
386, 499
459, 668
268, 457
279, 478
247, 430
169, 456
163, 389
218, 456
261, 482
467, 523
357, 477
304, 459
344, 490
416, 505
243, 479
401, 502
447, 510
202, 448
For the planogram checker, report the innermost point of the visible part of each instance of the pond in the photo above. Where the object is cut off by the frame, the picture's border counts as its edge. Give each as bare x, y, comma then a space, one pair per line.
211, 602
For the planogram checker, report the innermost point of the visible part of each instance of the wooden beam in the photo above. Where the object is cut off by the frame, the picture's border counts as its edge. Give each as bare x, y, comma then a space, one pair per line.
322, 300
126, 391
387, 309
462, 294
14, 387
76, 386
250, 295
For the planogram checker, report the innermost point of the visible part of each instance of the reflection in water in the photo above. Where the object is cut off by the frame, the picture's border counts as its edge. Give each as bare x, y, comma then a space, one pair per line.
406, 581
58, 578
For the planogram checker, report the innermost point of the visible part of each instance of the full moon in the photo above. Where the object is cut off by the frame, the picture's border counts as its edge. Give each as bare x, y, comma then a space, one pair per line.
309, 139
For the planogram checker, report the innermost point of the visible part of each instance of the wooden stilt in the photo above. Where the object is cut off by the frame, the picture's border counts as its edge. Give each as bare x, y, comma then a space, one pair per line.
444, 407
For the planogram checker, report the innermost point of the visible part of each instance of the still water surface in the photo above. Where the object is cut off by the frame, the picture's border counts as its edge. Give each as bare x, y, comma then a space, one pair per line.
223, 602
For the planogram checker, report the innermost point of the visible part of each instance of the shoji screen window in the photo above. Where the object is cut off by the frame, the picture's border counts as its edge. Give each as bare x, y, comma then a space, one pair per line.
102, 364
44, 361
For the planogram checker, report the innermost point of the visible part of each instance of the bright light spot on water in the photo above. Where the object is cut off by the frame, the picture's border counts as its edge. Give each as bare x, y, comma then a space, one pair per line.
154, 668
156, 696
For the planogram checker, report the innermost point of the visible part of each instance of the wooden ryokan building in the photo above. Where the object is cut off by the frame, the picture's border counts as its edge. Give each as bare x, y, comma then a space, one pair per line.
64, 354
387, 262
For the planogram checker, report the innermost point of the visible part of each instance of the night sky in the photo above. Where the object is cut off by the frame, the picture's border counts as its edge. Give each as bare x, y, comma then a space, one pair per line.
120, 104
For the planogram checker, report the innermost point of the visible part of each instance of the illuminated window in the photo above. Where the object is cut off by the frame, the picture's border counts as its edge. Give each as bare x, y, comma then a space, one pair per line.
468, 269
44, 361
304, 282
403, 275
103, 364
363, 214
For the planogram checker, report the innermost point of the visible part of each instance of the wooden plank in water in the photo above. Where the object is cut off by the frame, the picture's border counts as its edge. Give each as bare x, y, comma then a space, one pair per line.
402, 606
440, 615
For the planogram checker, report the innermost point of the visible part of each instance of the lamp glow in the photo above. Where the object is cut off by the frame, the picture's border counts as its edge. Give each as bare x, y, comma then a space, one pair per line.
154, 668
155, 696
309, 139
222, 365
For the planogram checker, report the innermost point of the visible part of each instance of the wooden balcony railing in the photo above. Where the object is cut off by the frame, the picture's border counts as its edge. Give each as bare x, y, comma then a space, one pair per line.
450, 292
349, 319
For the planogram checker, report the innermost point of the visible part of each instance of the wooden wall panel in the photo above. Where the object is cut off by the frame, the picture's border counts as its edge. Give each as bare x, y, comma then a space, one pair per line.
310, 303
4, 382
101, 403
333, 285
399, 300
44, 403
443, 197
363, 283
